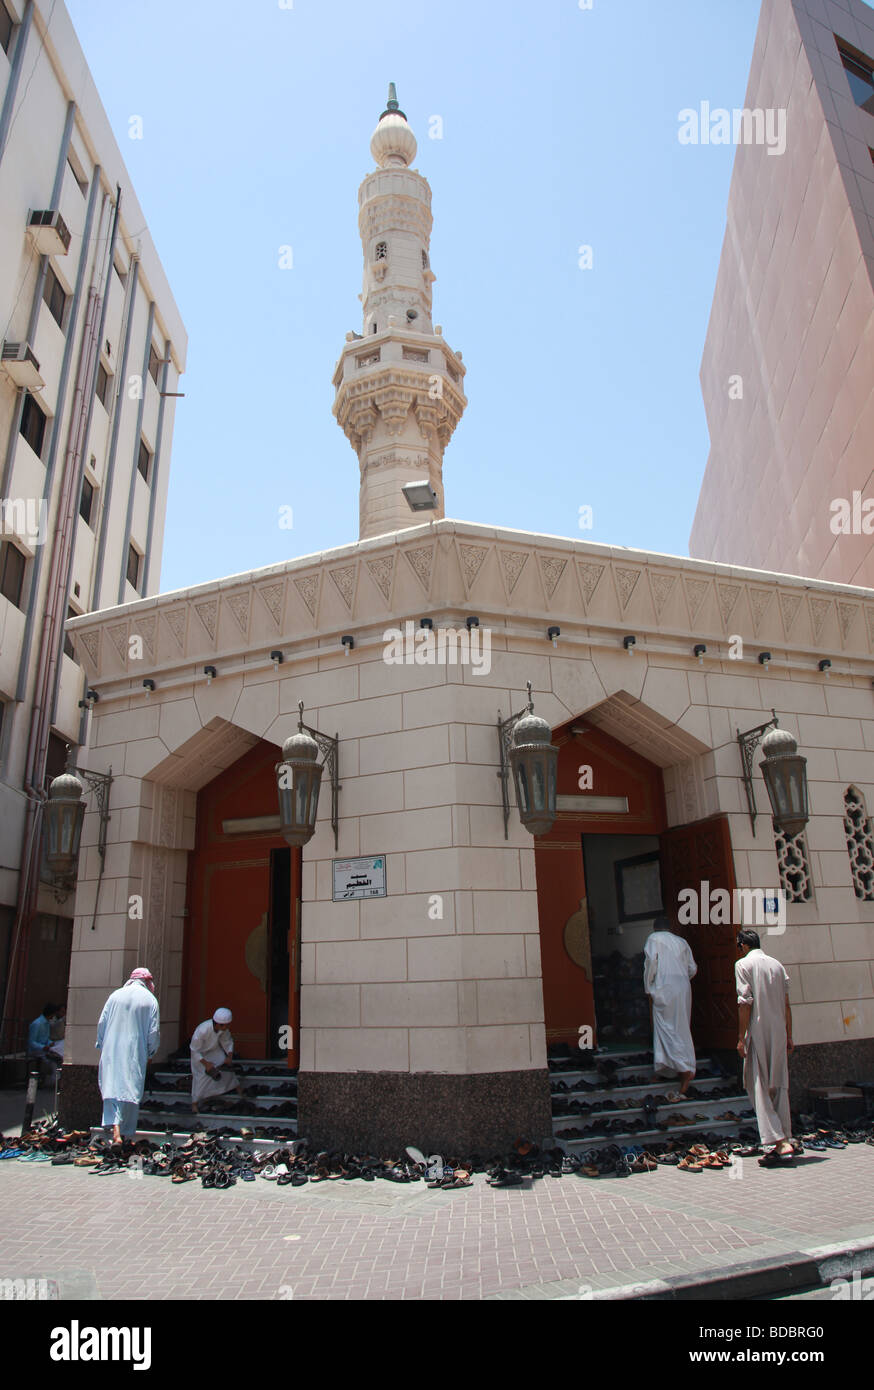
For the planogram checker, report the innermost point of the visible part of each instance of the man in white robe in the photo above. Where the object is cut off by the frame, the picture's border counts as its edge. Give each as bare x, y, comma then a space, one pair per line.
667, 973
765, 1042
212, 1048
128, 1034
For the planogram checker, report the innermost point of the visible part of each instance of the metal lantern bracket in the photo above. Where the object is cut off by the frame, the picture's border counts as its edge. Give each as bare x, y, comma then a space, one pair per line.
330, 749
505, 738
749, 742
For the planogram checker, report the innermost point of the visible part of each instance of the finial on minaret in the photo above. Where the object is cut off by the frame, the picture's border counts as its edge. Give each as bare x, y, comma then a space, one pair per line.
392, 104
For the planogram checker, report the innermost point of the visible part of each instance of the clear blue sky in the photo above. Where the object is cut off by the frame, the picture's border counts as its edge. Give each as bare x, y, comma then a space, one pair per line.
560, 129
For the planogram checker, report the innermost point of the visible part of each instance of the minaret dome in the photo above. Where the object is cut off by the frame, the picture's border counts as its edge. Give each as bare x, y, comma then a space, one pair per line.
393, 144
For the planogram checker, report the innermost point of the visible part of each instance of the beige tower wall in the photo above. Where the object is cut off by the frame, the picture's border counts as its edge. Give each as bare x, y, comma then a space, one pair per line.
793, 312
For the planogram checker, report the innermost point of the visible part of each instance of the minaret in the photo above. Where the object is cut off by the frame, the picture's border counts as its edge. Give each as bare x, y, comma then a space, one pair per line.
399, 385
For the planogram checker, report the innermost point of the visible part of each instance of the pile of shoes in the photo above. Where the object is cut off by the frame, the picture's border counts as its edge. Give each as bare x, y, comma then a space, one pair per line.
620, 996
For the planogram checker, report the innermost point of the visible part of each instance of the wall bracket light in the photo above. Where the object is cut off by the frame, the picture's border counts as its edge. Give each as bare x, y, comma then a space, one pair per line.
748, 743
526, 749
299, 778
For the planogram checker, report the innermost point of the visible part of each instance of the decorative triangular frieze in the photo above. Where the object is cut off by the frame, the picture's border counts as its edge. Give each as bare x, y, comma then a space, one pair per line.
590, 577
626, 583
471, 558
551, 571
819, 611
239, 606
846, 615
759, 602
421, 562
344, 580
512, 565
308, 588
175, 621
789, 606
208, 615
117, 635
662, 586
696, 593
382, 572
90, 644
728, 597
272, 596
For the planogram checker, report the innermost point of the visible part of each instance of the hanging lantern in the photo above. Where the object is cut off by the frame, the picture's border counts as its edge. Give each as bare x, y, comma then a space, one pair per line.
298, 778
534, 761
785, 774
63, 814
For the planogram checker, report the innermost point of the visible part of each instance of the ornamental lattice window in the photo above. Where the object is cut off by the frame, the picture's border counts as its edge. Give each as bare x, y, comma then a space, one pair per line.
382, 251
795, 877
860, 843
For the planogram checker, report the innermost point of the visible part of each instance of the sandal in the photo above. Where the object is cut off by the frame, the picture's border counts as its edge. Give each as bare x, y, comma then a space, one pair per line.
689, 1166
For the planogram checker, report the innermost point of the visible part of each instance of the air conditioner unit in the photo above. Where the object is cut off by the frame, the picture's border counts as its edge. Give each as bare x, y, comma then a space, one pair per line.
50, 233
20, 364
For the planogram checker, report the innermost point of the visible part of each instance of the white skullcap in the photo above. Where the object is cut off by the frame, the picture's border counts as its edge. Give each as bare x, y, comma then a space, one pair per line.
222, 1016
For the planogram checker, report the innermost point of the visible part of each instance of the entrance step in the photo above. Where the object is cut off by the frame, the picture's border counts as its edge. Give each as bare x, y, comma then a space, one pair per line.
178, 1136
603, 1096
710, 1109
727, 1130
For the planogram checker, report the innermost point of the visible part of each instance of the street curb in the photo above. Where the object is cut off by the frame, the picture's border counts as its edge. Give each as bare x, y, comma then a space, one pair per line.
797, 1269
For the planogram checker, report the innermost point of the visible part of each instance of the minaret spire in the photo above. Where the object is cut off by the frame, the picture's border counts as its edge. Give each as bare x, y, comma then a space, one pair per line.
399, 385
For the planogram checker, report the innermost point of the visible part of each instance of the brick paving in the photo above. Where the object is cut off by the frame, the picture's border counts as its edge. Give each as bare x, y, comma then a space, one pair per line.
124, 1237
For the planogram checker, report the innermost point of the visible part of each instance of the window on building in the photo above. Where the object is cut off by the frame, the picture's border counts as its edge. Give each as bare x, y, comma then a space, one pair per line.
6, 28
104, 386
424, 260
860, 844
860, 75
33, 424
55, 297
382, 251
144, 460
69, 649
12, 565
133, 567
57, 754
86, 501
154, 364
78, 174
796, 879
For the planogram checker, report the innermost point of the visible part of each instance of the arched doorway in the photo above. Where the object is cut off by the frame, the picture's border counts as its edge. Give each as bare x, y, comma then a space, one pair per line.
242, 940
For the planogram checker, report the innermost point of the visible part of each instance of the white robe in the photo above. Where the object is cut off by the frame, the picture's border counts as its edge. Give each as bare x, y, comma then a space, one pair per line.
216, 1046
667, 973
763, 983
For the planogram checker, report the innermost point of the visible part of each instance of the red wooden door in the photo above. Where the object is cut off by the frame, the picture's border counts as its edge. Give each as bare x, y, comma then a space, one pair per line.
230, 906
698, 856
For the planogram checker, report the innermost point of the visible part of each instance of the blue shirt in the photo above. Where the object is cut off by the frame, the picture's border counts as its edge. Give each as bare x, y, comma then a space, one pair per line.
38, 1035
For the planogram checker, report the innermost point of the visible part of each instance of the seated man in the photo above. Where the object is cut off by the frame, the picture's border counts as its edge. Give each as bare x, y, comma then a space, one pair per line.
212, 1047
40, 1043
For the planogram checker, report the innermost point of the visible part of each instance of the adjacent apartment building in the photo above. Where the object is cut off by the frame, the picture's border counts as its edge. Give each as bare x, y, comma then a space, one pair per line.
92, 350
788, 366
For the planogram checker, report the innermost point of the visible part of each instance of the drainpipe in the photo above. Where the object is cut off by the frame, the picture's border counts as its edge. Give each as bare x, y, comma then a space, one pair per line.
52, 635
153, 499
137, 436
12, 86
113, 442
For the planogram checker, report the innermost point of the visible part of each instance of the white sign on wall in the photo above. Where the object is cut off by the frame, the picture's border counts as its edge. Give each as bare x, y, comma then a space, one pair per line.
359, 878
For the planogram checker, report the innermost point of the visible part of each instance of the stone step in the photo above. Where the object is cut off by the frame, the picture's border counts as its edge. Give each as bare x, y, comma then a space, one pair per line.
736, 1101
216, 1119
161, 1136
727, 1128
152, 1099
287, 1078
704, 1083
591, 1074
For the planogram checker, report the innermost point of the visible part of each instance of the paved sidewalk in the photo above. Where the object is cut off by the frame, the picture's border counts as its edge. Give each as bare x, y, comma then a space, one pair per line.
125, 1237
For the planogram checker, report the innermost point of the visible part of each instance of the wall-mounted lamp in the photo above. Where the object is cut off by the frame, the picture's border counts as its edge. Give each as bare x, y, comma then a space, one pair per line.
471, 622
765, 659
526, 749
629, 643
210, 672
148, 686
420, 496
299, 777
825, 667
63, 814
348, 643
277, 658
91, 696
427, 623
553, 633
700, 651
